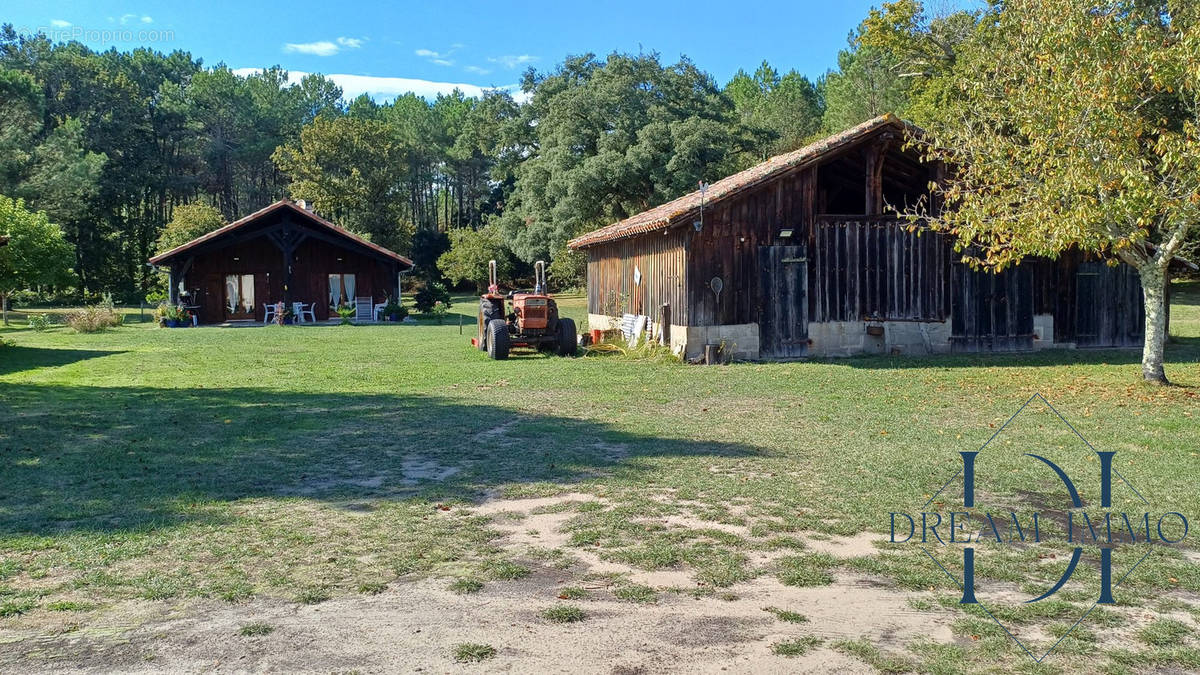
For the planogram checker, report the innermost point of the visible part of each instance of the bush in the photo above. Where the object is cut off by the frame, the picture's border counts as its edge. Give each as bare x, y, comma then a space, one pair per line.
39, 322
470, 251
429, 295
93, 319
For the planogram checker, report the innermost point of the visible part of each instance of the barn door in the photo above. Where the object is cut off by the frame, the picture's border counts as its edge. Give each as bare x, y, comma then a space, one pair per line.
783, 325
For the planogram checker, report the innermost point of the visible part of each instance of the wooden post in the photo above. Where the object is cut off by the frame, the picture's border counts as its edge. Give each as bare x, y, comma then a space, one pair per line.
712, 354
874, 179
172, 286
664, 322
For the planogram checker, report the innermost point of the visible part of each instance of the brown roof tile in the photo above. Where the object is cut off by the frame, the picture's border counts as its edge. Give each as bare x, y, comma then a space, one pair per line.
676, 210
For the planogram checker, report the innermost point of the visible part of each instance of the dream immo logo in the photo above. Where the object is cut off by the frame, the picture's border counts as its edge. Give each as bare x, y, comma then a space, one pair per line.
975, 526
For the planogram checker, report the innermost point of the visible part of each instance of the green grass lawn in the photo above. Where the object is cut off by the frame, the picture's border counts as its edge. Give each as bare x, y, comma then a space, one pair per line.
310, 462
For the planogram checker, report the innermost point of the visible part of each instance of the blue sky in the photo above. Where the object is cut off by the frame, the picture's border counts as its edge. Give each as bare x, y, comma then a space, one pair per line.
429, 47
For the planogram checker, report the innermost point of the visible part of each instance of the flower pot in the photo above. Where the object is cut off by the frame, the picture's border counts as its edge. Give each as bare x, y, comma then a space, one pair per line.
287, 320
171, 323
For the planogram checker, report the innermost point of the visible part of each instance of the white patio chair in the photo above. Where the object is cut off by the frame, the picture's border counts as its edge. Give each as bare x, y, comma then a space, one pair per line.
363, 308
298, 311
311, 312
269, 310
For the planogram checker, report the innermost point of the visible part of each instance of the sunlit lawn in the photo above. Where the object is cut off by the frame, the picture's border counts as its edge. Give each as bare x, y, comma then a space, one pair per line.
298, 462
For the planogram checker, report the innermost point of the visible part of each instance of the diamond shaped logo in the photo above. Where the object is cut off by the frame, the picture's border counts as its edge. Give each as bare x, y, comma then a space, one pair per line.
1036, 487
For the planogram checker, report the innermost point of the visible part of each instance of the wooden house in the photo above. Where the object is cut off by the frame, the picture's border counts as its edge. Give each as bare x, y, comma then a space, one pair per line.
282, 253
798, 256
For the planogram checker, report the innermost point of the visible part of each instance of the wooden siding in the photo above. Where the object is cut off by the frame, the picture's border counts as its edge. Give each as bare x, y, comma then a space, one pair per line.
728, 247
1094, 304
991, 311
660, 260
876, 269
313, 260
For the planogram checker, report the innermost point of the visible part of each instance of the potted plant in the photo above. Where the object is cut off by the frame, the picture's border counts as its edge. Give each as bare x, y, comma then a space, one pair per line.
393, 311
345, 311
285, 318
172, 316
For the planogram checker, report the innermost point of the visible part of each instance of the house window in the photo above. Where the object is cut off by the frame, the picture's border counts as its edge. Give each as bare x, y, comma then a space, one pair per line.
341, 289
239, 295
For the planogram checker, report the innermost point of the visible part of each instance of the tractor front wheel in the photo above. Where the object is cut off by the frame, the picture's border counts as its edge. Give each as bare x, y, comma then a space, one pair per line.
567, 337
497, 339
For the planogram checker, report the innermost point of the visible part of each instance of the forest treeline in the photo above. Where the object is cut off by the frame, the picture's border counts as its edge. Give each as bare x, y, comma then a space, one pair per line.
109, 143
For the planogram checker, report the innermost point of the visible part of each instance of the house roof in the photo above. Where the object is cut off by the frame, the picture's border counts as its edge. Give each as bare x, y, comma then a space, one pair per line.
675, 211
281, 205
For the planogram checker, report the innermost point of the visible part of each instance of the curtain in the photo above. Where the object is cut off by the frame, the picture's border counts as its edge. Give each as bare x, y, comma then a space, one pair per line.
231, 293
335, 289
248, 292
349, 281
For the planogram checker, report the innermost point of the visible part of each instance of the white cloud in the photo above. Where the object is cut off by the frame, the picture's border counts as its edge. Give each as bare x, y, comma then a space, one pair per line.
59, 23
322, 48
127, 19
146, 19
388, 88
512, 61
439, 58
477, 70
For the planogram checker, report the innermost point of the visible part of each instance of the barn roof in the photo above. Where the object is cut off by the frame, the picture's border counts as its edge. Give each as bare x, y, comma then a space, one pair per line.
281, 205
676, 210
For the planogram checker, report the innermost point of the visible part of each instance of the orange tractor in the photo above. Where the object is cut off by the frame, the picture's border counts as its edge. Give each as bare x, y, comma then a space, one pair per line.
533, 322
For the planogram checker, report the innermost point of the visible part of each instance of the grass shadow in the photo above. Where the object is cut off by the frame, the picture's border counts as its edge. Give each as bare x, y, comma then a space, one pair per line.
16, 358
106, 459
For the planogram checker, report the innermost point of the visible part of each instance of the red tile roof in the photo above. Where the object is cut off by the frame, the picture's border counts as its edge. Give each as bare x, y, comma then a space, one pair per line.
277, 206
677, 211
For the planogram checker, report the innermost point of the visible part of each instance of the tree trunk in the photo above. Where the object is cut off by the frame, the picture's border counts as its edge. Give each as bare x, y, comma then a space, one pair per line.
1154, 287
4, 307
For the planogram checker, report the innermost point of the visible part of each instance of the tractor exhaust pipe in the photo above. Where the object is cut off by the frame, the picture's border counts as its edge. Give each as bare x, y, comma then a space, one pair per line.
493, 287
539, 276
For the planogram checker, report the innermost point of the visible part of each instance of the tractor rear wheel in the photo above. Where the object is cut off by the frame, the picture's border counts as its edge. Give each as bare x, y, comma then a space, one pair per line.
497, 339
567, 337
487, 312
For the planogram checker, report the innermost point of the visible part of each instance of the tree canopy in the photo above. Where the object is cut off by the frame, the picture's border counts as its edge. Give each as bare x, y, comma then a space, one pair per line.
35, 254
1074, 124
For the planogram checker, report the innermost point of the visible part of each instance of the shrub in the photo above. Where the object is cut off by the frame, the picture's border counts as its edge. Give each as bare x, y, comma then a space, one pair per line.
427, 297
39, 322
95, 318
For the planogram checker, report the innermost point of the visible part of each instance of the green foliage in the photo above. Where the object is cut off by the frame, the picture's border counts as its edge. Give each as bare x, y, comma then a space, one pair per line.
564, 614
797, 646
568, 269
349, 168
39, 322
611, 138
466, 586
256, 629
36, 254
429, 295
470, 251
188, 222
1082, 136
469, 652
783, 111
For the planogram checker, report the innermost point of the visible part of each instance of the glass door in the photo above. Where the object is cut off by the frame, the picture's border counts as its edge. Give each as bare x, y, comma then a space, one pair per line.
239, 296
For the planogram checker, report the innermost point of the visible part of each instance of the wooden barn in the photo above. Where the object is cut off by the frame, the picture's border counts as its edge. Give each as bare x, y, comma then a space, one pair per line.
283, 253
798, 256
